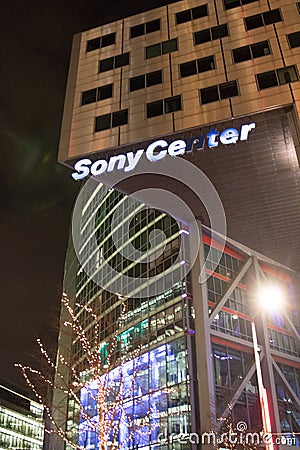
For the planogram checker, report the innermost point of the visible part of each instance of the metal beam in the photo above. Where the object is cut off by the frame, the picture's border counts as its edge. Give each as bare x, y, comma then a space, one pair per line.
287, 384
230, 290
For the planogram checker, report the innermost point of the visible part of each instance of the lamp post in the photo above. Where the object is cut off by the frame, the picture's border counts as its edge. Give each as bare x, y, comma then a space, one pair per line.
270, 298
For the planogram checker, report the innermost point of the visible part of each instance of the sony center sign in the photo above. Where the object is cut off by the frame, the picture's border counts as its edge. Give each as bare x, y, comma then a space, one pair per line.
158, 150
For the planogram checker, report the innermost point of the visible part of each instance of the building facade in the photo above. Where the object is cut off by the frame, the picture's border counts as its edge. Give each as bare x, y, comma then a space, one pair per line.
21, 420
222, 78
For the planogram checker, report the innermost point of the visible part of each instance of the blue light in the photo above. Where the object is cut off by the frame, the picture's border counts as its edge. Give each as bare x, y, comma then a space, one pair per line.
138, 403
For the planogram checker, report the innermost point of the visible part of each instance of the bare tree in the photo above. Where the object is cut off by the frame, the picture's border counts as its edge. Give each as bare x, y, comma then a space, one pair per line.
101, 386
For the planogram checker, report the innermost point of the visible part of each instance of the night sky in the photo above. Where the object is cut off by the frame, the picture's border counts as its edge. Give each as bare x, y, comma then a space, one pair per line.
37, 193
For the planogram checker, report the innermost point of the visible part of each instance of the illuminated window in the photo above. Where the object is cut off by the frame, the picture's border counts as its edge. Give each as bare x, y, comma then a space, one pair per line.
252, 51
229, 4
265, 18
275, 77
111, 120
100, 42
146, 80
197, 66
210, 34
165, 106
161, 48
145, 28
114, 62
100, 93
219, 92
294, 39
191, 14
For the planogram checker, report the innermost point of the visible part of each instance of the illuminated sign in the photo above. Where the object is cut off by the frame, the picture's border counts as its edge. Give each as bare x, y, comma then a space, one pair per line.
158, 150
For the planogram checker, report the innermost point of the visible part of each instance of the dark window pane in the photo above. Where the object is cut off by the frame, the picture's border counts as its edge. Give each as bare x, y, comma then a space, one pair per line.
272, 16
202, 36
88, 96
93, 44
169, 46
255, 21
199, 11
173, 104
298, 6
287, 74
229, 89
229, 4
105, 92
153, 50
138, 30
241, 54
219, 31
188, 68
155, 109
294, 39
120, 118
121, 60
106, 64
260, 49
153, 78
137, 83
208, 95
183, 16
102, 122
207, 63
109, 39
152, 26
246, 2
267, 79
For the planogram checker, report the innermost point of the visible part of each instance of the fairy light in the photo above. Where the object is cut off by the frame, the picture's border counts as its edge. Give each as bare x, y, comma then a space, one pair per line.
99, 370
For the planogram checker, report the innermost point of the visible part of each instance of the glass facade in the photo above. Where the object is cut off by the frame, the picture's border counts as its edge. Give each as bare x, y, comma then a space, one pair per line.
231, 337
21, 421
158, 333
153, 333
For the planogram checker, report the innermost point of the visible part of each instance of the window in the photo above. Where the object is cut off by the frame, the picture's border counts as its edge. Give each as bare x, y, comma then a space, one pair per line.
191, 14
251, 51
229, 4
298, 6
228, 89
275, 77
294, 39
265, 18
89, 96
113, 62
219, 92
160, 107
153, 78
111, 120
105, 92
142, 81
197, 66
100, 42
169, 46
172, 104
145, 28
210, 34
219, 31
161, 48
100, 93
155, 109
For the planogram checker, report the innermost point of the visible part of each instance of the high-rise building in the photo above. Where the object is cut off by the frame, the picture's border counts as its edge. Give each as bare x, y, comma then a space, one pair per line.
21, 419
214, 84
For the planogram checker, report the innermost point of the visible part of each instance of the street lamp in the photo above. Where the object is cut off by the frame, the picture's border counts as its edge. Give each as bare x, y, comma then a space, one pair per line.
270, 298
